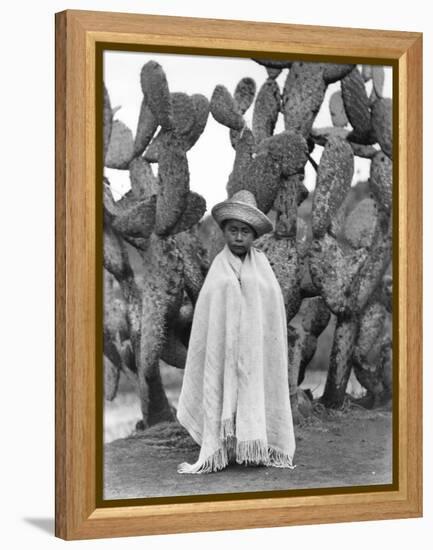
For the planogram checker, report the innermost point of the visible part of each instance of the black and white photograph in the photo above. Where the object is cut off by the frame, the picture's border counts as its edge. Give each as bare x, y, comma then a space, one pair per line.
247, 275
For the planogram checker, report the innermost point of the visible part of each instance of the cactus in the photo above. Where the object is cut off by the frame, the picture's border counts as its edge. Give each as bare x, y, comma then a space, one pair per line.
341, 354
381, 179
378, 76
336, 108
303, 95
266, 109
333, 266
120, 150
334, 176
225, 110
156, 93
315, 316
146, 128
335, 71
244, 94
200, 106
344, 261
157, 283
189, 119
357, 107
107, 121
382, 124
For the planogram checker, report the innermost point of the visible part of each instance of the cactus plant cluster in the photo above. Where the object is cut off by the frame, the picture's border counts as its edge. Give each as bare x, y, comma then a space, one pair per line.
154, 265
337, 264
341, 268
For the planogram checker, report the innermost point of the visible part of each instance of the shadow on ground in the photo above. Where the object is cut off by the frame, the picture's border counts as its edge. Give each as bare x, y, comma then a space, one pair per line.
44, 524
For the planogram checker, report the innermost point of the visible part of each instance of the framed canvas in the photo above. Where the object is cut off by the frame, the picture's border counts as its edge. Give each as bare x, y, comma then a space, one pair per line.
158, 120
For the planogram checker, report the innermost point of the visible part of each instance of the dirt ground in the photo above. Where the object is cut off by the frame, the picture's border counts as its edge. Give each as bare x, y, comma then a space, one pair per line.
334, 449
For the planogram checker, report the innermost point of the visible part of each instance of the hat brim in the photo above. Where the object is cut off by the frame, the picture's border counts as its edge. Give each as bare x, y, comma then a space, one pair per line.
243, 212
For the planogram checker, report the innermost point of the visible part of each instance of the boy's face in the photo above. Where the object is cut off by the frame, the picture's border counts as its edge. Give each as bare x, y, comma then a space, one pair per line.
239, 236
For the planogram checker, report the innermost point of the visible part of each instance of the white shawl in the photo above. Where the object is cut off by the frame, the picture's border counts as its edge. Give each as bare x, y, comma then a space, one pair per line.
235, 394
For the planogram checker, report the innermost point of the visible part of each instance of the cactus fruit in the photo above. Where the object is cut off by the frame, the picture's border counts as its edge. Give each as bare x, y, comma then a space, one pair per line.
266, 110
156, 93
303, 95
121, 148
333, 181
382, 124
224, 109
336, 109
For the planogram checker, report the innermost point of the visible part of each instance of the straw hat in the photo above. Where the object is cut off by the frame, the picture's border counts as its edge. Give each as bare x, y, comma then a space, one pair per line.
242, 206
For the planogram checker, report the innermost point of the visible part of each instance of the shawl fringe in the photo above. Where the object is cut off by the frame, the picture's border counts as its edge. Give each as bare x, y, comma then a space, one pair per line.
255, 451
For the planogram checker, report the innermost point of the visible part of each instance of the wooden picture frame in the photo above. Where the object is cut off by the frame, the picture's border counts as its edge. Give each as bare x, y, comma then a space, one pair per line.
79, 34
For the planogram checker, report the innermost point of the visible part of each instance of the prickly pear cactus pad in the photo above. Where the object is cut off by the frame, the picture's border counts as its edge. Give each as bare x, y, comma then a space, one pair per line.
224, 108
357, 106
302, 97
382, 124
381, 179
156, 93
334, 177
